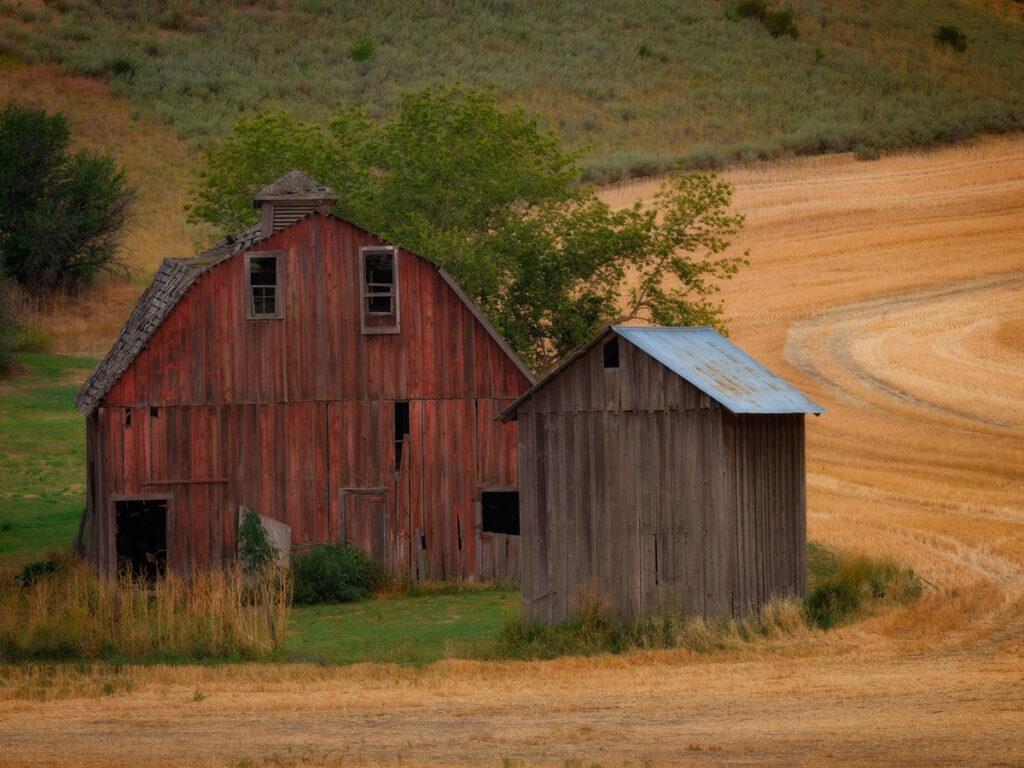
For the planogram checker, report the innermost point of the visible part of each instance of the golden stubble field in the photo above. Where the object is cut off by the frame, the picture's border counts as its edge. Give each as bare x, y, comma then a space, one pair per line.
893, 293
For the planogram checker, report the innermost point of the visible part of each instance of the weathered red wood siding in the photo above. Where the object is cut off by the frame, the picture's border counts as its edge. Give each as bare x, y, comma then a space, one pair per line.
641, 492
282, 415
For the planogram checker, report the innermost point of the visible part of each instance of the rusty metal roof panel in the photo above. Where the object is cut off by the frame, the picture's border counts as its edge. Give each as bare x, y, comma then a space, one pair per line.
718, 367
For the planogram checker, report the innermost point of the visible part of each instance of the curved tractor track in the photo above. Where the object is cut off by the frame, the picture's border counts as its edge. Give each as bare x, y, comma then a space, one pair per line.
893, 293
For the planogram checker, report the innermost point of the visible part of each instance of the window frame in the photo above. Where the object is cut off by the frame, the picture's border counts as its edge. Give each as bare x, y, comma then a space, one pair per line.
378, 322
250, 310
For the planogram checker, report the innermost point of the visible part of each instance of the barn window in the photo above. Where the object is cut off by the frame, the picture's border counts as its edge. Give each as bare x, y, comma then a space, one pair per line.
611, 353
379, 290
500, 512
263, 286
401, 430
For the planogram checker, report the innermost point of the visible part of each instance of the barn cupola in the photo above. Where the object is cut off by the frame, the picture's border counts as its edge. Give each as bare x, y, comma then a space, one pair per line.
290, 198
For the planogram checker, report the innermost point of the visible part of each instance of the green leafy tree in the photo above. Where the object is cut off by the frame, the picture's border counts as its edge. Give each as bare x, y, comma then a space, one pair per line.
485, 193
61, 214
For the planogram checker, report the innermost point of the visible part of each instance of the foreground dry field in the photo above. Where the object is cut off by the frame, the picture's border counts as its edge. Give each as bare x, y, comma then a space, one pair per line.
893, 293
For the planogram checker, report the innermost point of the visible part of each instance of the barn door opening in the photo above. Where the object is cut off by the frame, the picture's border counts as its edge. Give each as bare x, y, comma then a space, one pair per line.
141, 536
366, 522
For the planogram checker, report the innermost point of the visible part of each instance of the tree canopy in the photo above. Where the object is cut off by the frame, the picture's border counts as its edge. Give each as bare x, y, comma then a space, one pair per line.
61, 214
482, 191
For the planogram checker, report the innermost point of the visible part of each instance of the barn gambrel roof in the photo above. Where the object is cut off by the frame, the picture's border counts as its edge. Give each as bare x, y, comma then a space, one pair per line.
170, 284
706, 359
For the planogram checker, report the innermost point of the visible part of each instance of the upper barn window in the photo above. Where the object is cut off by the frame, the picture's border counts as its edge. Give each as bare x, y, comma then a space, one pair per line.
378, 276
263, 294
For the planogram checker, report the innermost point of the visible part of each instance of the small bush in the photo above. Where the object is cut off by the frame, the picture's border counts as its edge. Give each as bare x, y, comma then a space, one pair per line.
256, 552
35, 571
779, 23
951, 37
334, 573
703, 157
865, 152
362, 49
752, 9
121, 67
841, 587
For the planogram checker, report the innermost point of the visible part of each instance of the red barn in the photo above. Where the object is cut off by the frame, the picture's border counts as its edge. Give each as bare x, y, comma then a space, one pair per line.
310, 371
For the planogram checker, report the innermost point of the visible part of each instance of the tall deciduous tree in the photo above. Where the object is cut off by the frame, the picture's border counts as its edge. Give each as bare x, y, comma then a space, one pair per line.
61, 214
485, 193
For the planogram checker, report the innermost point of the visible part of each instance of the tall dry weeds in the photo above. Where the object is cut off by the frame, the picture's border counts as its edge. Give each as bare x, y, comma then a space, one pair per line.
210, 614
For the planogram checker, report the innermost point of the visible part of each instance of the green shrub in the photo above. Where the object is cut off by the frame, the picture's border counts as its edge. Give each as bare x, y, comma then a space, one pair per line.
334, 573
779, 23
842, 587
752, 9
35, 571
703, 157
362, 49
121, 67
256, 551
951, 37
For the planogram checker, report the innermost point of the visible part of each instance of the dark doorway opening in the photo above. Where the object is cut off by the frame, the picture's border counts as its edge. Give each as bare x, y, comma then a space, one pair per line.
141, 538
499, 512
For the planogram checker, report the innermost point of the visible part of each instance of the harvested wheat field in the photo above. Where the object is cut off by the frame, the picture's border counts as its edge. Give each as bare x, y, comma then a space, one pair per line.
893, 293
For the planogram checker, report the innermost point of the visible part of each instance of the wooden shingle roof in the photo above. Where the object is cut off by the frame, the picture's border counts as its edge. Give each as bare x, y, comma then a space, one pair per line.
295, 185
170, 283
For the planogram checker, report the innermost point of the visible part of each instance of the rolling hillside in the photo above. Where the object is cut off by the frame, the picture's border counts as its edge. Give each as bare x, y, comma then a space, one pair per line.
636, 87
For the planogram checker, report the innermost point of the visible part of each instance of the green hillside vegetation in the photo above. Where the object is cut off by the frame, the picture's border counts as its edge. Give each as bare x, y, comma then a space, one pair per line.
642, 85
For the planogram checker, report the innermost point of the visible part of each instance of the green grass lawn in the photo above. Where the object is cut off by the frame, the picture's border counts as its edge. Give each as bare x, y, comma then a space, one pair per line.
405, 629
42, 456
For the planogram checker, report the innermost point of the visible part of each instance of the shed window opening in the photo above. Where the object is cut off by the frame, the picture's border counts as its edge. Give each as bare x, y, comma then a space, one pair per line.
380, 283
500, 512
263, 286
611, 353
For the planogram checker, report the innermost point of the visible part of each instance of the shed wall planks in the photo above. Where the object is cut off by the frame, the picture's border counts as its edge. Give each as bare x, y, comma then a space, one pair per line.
642, 493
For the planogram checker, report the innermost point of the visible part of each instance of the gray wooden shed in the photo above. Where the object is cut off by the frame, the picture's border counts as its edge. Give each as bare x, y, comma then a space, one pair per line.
660, 467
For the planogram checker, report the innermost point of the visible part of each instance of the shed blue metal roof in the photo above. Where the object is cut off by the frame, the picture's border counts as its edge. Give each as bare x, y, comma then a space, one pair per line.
706, 359
718, 367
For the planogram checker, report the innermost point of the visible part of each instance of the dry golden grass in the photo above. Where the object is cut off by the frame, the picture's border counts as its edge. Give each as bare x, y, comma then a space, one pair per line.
892, 293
